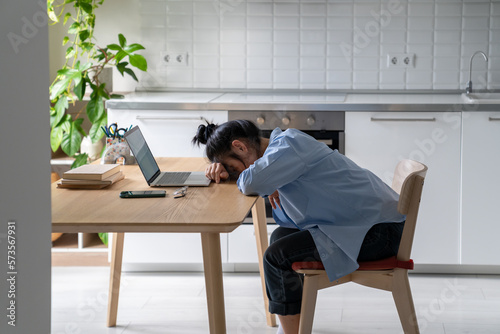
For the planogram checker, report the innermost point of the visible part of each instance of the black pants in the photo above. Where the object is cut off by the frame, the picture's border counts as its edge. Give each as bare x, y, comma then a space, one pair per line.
288, 245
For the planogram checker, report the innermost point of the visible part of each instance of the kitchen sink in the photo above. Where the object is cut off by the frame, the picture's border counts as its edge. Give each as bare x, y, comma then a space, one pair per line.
485, 97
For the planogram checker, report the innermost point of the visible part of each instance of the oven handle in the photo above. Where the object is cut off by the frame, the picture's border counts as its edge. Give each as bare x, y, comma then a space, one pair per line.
171, 118
377, 119
491, 119
342, 142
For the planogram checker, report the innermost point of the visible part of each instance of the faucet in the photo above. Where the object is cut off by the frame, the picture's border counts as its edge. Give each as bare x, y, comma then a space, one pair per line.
468, 89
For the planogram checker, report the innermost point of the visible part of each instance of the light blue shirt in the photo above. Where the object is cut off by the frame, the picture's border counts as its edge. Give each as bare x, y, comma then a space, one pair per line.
324, 192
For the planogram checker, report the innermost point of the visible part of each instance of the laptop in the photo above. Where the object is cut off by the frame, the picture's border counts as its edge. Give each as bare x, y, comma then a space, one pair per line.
154, 177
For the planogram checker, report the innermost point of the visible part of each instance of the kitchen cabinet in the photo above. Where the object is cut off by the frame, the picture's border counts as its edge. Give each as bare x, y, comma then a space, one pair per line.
168, 134
480, 188
378, 140
242, 245
164, 248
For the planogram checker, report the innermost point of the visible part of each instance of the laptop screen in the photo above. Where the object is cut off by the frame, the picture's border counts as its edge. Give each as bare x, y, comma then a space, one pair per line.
142, 153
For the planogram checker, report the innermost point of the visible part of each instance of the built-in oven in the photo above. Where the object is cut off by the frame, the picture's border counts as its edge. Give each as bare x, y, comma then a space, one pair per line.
326, 126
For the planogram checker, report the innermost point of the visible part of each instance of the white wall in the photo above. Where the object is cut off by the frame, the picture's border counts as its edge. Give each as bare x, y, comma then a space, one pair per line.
24, 163
321, 44
112, 18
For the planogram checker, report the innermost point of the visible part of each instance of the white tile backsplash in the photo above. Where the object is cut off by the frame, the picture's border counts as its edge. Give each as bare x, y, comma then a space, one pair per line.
341, 44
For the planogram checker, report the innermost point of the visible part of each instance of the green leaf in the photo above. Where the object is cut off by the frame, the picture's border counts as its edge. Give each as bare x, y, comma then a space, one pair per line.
80, 88
66, 123
121, 67
70, 52
72, 140
83, 35
114, 47
102, 91
59, 87
133, 47
56, 136
78, 126
83, 67
64, 71
74, 28
60, 107
139, 62
52, 116
65, 40
131, 73
96, 132
80, 160
120, 55
87, 47
103, 237
66, 17
95, 109
117, 96
122, 39
86, 7
51, 13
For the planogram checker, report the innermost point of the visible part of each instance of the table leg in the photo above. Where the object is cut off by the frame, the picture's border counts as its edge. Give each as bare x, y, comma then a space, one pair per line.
260, 226
114, 277
212, 264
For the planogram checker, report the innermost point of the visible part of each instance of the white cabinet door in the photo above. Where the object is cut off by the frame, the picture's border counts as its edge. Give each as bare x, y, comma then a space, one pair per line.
481, 188
168, 132
157, 248
378, 140
242, 246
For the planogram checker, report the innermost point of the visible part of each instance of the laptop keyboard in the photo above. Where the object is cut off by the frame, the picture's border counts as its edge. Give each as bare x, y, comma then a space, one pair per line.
173, 178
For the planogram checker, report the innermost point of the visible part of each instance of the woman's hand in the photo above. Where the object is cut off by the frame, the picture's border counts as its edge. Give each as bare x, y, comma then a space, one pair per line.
216, 172
274, 199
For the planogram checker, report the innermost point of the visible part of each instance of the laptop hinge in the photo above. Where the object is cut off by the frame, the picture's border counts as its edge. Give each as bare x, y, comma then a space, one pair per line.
154, 177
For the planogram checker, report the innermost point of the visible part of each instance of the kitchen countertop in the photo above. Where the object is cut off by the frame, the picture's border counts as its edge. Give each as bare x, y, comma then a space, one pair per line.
300, 100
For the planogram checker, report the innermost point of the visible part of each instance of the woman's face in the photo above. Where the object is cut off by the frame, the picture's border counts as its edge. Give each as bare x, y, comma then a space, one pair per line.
240, 158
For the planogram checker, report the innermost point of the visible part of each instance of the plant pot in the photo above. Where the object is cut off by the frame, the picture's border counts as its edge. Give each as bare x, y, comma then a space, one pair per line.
93, 150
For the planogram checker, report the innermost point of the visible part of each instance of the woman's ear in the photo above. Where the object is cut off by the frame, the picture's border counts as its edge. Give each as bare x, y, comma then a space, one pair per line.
239, 146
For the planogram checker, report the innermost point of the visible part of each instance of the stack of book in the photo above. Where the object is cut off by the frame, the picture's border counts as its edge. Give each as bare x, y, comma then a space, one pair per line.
91, 177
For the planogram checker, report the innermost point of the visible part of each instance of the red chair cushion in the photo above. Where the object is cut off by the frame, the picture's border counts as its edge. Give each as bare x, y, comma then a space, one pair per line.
384, 264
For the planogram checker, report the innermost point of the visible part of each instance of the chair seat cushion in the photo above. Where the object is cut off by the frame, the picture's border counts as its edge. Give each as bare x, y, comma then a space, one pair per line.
384, 264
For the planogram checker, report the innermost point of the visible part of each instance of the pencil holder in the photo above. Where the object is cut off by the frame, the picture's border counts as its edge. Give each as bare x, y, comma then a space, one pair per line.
117, 152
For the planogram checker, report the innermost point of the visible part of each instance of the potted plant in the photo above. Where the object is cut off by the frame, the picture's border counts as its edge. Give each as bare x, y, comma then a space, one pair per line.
85, 61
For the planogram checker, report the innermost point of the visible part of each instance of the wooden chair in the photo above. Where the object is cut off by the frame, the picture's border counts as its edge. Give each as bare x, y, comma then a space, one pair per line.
388, 274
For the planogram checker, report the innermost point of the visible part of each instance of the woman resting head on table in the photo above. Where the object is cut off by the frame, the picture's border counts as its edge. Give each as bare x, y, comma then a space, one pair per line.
329, 209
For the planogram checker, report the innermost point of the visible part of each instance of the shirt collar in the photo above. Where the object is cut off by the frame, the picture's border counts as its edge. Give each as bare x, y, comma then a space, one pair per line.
276, 132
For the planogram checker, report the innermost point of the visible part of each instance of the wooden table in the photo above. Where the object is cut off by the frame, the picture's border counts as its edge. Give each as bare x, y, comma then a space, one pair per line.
219, 208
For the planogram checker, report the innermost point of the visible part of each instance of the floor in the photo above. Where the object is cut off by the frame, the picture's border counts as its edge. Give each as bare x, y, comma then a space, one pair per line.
176, 303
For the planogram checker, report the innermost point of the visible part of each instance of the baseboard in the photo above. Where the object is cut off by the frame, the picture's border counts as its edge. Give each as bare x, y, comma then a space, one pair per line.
467, 269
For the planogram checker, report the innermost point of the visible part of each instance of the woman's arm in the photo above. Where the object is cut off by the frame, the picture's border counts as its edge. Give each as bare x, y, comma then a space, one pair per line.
279, 166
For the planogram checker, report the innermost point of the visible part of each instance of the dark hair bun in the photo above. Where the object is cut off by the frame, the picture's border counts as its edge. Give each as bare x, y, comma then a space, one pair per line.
203, 133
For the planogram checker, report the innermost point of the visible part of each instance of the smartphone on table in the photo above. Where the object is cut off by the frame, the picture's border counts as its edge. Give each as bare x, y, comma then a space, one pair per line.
142, 193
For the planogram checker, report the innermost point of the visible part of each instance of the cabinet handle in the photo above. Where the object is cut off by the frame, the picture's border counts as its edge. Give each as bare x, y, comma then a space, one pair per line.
376, 119
171, 118
491, 119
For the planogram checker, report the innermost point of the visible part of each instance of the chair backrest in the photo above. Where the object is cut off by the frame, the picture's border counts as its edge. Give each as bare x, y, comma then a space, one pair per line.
408, 182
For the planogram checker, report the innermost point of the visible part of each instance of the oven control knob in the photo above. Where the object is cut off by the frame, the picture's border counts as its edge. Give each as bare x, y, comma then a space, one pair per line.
261, 120
310, 120
285, 120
